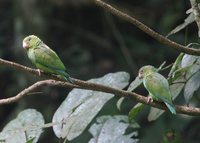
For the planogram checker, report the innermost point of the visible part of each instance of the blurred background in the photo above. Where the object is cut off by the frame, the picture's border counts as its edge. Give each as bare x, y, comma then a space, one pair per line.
91, 42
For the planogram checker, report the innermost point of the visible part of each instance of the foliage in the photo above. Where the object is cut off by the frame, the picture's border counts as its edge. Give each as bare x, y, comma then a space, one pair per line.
112, 129
81, 106
93, 43
25, 128
72, 117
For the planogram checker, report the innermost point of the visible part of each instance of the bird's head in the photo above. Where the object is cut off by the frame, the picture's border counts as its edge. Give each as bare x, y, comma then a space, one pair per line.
31, 41
146, 70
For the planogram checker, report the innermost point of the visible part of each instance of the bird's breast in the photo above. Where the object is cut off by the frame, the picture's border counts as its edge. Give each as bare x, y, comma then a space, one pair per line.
31, 55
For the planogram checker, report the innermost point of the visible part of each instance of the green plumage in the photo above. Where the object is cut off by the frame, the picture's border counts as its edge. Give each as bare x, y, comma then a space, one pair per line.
44, 58
157, 86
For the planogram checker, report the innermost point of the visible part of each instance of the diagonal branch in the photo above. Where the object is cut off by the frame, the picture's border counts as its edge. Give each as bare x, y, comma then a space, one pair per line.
85, 85
146, 29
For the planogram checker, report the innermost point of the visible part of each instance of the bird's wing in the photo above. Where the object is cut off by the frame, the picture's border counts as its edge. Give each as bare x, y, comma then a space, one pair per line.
47, 57
158, 86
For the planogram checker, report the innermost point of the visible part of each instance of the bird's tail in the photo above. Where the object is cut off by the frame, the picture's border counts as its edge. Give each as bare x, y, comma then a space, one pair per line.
171, 108
69, 79
66, 76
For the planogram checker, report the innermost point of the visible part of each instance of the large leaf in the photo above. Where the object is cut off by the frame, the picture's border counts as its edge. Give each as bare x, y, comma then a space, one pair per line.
175, 89
135, 110
188, 60
137, 82
154, 114
191, 86
134, 84
176, 64
179, 73
191, 63
112, 130
184, 66
27, 126
81, 106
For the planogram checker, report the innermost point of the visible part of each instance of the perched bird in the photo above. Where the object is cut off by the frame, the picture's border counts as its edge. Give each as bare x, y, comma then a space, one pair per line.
157, 86
44, 58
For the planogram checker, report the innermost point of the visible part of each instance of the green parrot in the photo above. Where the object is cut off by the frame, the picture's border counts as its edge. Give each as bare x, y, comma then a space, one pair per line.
157, 86
44, 58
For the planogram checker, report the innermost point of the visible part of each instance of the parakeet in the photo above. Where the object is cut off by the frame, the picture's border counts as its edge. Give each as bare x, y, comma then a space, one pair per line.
157, 86
44, 58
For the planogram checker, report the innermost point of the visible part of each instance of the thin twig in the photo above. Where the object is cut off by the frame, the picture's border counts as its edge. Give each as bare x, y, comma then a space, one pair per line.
167, 67
85, 85
161, 66
33, 93
30, 89
122, 44
146, 29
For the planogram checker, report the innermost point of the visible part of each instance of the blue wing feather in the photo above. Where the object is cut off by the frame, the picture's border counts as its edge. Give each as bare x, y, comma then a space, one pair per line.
61, 72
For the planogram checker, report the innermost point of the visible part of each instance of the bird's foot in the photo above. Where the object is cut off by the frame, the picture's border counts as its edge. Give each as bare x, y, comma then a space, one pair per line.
149, 99
39, 72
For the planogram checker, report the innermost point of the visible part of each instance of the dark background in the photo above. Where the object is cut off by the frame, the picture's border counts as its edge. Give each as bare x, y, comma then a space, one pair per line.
91, 42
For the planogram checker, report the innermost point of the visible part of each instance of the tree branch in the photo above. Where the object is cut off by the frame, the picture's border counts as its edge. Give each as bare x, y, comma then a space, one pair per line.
196, 12
147, 30
58, 81
34, 87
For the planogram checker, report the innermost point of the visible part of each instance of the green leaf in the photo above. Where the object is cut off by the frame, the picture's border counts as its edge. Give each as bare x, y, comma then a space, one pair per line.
188, 66
26, 126
30, 140
179, 73
191, 86
135, 110
119, 102
81, 106
137, 82
109, 129
176, 64
154, 114
134, 84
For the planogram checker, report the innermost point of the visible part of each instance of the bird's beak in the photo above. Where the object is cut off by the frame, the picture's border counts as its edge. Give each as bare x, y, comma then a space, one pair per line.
25, 45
